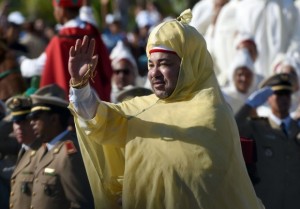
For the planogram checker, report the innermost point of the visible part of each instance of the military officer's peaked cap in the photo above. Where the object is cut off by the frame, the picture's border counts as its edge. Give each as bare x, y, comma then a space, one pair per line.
49, 98
19, 107
281, 82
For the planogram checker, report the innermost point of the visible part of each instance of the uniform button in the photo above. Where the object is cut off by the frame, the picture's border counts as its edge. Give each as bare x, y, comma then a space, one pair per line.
36, 180
31, 207
12, 193
33, 193
11, 205
13, 181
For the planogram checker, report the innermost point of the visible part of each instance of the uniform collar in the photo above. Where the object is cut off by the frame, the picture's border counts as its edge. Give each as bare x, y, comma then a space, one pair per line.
278, 121
52, 143
26, 147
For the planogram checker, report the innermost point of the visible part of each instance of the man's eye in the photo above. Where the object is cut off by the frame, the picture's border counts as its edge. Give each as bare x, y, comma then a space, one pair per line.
164, 64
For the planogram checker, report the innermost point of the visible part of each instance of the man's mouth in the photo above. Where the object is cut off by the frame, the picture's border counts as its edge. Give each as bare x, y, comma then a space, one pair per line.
158, 84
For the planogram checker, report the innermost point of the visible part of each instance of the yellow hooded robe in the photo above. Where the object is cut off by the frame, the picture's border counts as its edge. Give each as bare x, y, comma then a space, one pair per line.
182, 152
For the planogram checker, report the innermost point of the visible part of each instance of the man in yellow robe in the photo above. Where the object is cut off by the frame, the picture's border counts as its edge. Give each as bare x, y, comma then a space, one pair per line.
182, 148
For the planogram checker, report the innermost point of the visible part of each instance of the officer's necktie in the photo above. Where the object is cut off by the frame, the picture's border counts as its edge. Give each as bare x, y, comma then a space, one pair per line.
283, 128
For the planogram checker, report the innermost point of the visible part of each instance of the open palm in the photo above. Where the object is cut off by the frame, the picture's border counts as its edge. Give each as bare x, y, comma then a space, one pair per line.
80, 56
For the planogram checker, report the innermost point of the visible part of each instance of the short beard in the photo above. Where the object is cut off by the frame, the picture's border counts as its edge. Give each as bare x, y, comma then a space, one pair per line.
163, 95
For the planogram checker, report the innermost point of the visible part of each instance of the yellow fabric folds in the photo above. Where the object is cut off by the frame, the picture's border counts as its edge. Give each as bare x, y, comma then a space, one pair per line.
180, 152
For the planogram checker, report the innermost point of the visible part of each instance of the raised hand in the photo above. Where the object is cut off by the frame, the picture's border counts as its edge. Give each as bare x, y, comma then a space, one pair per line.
259, 97
82, 62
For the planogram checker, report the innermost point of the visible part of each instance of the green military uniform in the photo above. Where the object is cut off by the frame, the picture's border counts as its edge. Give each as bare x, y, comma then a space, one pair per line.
22, 176
278, 160
277, 149
60, 178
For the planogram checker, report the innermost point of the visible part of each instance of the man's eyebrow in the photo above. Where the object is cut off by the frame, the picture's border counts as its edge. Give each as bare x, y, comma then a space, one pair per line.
160, 60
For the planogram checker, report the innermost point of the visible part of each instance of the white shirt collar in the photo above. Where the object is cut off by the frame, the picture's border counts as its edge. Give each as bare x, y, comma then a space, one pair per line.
26, 147
278, 121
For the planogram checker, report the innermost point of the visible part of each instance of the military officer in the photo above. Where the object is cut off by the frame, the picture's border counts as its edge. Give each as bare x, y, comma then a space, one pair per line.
60, 177
277, 143
22, 176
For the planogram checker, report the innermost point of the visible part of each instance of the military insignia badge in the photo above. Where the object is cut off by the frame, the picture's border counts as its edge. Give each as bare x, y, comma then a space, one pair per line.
49, 171
70, 147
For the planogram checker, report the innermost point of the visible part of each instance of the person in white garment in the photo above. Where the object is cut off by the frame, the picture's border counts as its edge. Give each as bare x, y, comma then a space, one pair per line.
275, 26
241, 77
125, 71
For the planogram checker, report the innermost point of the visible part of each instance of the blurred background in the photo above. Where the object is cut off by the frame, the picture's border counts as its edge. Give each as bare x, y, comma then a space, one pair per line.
34, 9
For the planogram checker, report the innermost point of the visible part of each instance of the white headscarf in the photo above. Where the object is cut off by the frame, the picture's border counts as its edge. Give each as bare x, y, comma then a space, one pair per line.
235, 98
119, 52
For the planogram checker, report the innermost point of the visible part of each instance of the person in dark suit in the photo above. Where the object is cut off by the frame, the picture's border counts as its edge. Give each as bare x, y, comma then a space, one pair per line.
60, 177
277, 143
22, 176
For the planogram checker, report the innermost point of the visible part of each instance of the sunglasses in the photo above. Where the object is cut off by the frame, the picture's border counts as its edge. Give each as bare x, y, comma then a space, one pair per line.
125, 71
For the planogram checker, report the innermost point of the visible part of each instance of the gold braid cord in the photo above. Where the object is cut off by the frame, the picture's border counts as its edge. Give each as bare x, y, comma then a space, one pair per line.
90, 73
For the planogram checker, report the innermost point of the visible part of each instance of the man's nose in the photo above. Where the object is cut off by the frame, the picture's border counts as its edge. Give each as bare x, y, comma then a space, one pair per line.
155, 72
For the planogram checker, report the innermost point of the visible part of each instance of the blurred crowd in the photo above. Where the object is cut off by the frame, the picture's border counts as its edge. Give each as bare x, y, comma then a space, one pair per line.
254, 44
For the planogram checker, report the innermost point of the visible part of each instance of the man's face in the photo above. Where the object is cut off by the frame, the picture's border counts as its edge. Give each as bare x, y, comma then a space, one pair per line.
163, 73
123, 74
23, 131
40, 122
280, 104
242, 79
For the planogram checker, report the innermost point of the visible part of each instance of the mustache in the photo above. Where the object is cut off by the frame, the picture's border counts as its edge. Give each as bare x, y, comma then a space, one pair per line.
157, 80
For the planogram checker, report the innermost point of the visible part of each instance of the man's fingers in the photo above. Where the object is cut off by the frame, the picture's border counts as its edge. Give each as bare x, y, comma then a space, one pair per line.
85, 44
72, 51
77, 46
94, 61
91, 48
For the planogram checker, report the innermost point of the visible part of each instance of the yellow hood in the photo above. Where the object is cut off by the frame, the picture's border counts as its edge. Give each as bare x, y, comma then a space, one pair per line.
188, 43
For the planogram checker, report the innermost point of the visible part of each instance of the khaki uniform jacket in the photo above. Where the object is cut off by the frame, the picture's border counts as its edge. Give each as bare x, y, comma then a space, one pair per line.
278, 162
22, 178
60, 178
